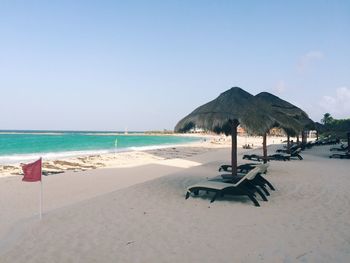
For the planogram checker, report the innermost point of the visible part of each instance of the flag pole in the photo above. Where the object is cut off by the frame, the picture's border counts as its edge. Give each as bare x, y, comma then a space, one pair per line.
33, 173
115, 147
41, 199
41, 191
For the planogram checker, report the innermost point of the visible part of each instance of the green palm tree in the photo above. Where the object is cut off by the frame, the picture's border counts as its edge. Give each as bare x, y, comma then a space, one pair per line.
327, 119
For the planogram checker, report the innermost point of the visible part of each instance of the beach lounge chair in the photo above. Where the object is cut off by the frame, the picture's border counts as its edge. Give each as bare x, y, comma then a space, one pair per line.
328, 141
279, 157
285, 156
296, 153
343, 147
259, 158
242, 187
291, 149
243, 168
253, 157
259, 180
340, 155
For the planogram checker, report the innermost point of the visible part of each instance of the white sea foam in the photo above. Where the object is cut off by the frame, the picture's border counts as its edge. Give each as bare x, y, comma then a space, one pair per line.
21, 158
150, 147
18, 158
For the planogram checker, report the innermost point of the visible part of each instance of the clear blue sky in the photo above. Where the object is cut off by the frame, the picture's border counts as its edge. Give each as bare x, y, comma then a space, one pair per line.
108, 65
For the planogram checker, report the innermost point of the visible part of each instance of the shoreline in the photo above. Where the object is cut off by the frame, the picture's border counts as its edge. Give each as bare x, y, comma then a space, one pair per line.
17, 158
81, 161
132, 156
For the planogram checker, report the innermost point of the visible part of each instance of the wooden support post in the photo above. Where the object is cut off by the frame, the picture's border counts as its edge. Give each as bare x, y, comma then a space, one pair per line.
264, 148
235, 124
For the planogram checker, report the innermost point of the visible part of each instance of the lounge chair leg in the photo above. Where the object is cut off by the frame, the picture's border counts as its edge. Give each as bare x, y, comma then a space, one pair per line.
256, 190
187, 195
256, 203
244, 190
248, 191
299, 156
264, 190
214, 197
269, 184
261, 194
263, 182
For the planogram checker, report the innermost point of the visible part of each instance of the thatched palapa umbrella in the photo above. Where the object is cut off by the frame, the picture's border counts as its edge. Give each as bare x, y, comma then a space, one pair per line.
225, 113
289, 117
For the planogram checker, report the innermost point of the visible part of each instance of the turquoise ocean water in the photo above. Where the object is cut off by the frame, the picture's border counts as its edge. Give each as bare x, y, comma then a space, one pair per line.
20, 146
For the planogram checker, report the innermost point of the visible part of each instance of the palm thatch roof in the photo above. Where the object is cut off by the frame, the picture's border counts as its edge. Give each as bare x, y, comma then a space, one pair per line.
319, 127
234, 104
257, 114
289, 117
224, 113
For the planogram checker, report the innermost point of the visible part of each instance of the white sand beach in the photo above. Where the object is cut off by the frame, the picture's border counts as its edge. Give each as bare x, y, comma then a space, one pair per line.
137, 212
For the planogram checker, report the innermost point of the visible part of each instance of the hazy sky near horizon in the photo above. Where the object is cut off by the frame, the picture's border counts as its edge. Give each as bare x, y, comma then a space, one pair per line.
143, 65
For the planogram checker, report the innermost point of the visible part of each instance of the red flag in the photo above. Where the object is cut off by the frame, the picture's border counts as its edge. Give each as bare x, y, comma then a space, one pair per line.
32, 171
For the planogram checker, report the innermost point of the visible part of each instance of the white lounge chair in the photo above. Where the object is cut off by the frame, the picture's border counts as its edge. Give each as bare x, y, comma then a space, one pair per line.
242, 187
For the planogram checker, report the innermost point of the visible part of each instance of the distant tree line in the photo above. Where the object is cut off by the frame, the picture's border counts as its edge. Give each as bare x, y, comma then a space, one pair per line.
335, 127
